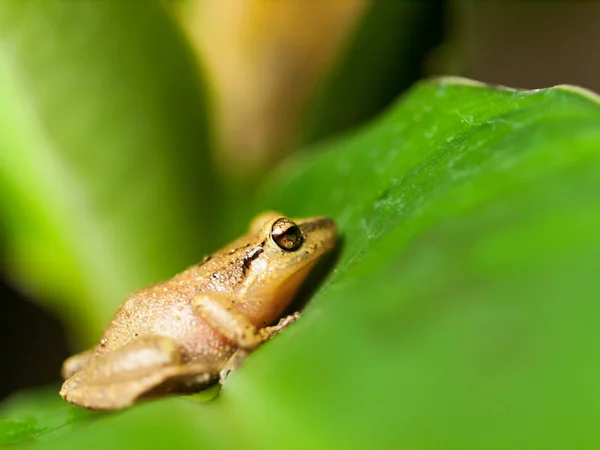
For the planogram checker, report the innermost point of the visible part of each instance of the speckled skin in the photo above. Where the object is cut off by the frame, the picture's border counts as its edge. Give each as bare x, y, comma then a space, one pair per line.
166, 309
176, 336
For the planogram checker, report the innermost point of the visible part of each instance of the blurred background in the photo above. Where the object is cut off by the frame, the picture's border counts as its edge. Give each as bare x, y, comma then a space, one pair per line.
134, 136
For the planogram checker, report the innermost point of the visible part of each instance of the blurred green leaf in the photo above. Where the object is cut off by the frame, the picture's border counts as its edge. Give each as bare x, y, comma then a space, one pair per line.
105, 182
28, 415
461, 313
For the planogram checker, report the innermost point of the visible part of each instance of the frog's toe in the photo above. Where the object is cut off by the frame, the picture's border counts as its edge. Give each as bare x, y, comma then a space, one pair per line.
96, 398
76, 363
106, 396
118, 394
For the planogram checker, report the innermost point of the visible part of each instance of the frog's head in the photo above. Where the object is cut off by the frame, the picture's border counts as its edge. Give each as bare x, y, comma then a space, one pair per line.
288, 250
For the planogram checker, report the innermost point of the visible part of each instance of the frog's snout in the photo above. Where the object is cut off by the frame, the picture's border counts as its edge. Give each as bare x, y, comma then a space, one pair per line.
320, 232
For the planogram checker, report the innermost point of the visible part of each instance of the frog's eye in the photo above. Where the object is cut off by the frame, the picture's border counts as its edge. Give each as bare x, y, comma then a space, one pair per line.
286, 235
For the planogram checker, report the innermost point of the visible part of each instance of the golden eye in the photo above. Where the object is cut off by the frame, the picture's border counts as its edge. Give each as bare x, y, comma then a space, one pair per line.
286, 235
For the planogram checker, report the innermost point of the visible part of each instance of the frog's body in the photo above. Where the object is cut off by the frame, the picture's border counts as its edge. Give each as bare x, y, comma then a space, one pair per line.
179, 335
166, 309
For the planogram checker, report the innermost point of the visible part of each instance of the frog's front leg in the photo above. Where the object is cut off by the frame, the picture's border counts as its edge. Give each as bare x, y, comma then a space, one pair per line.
219, 311
146, 365
240, 355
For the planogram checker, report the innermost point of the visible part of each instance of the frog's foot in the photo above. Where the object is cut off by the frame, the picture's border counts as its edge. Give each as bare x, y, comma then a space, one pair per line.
75, 363
284, 322
144, 367
232, 364
237, 359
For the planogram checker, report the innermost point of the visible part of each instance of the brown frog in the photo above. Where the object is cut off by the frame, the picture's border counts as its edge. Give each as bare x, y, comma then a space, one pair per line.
186, 333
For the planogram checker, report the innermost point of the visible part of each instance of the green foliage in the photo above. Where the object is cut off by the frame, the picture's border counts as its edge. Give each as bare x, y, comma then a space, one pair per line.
104, 153
461, 313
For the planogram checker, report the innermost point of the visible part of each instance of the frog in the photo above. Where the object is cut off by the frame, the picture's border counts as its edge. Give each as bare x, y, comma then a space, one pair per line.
187, 333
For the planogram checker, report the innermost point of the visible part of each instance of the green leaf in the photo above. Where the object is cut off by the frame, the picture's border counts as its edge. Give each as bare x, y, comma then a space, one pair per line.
105, 183
28, 415
461, 313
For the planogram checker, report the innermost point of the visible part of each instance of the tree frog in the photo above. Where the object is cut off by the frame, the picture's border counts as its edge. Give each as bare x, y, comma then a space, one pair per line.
186, 333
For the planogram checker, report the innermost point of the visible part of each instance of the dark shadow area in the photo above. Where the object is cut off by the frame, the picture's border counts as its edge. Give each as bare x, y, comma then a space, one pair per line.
33, 343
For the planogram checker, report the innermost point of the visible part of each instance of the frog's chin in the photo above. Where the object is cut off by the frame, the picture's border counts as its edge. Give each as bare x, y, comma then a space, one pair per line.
279, 296
289, 285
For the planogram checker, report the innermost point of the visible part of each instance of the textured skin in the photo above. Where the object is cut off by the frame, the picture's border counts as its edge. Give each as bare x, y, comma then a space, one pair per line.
176, 336
165, 309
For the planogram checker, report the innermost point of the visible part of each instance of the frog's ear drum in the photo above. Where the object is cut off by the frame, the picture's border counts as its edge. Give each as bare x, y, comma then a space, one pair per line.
286, 235
258, 223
